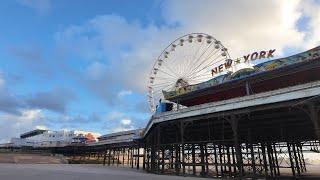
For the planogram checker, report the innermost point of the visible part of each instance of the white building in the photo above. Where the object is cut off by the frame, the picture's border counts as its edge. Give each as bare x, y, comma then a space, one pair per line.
48, 138
120, 137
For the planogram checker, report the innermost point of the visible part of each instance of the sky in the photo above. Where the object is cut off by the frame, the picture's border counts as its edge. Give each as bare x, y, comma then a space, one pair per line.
84, 65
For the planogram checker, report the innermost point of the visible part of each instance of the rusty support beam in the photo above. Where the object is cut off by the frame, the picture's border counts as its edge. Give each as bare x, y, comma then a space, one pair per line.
291, 160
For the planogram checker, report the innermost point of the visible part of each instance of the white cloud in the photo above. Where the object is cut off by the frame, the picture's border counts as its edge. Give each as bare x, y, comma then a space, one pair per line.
125, 121
124, 125
42, 127
121, 128
242, 26
123, 93
2, 81
32, 114
13, 125
41, 6
96, 71
114, 115
311, 14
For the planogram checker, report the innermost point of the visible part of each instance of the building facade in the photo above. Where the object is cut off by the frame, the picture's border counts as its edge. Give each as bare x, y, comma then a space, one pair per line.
49, 138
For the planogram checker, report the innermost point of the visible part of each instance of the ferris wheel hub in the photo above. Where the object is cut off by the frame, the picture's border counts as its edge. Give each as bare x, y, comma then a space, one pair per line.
181, 82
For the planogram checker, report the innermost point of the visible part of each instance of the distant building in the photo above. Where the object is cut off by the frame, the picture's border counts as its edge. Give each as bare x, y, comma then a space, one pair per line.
48, 138
120, 137
6, 145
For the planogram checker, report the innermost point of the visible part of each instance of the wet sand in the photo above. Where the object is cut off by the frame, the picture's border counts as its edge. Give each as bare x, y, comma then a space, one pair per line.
31, 158
77, 172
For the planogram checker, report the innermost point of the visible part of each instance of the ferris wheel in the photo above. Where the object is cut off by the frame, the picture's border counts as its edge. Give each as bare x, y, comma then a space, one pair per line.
188, 60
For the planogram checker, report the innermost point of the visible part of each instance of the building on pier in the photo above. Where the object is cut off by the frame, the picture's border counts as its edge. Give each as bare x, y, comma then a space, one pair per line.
49, 138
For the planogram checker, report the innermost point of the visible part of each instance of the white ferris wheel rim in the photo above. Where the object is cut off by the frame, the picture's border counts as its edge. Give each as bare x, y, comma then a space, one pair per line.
152, 100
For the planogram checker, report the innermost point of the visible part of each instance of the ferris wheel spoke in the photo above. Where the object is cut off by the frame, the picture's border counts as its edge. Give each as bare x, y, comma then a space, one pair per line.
195, 54
174, 65
199, 66
204, 72
162, 88
167, 78
208, 51
209, 59
161, 85
184, 58
158, 95
202, 61
202, 75
171, 70
189, 64
205, 66
192, 63
201, 79
217, 46
189, 52
189, 61
196, 66
167, 73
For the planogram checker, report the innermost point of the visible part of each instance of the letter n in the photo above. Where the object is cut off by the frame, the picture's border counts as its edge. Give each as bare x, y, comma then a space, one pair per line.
214, 71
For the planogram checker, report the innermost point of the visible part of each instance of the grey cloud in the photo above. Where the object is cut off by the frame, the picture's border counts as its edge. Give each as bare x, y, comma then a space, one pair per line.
33, 58
29, 54
9, 103
76, 121
55, 100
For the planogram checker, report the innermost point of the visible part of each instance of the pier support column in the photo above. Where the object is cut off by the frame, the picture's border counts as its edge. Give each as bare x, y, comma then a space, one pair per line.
138, 157
109, 157
314, 115
265, 163
193, 155
182, 158
291, 159
123, 155
144, 158
203, 163
177, 159
313, 112
233, 120
104, 155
